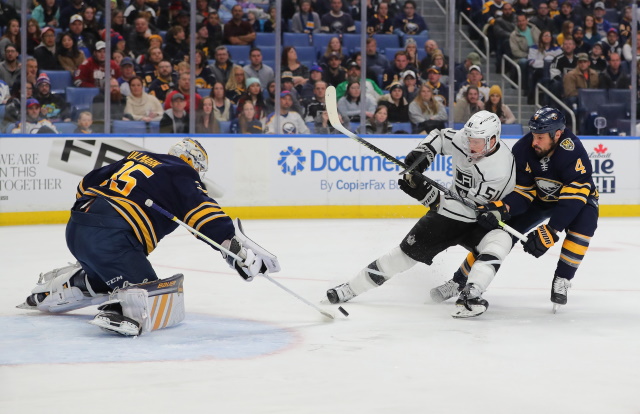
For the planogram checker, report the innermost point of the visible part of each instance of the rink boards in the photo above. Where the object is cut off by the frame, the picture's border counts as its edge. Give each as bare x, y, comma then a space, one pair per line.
273, 176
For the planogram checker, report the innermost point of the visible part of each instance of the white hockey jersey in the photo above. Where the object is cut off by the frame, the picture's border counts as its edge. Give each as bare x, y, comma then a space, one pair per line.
490, 179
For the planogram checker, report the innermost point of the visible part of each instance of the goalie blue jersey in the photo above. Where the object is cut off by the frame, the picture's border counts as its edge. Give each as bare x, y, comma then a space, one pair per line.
563, 180
169, 182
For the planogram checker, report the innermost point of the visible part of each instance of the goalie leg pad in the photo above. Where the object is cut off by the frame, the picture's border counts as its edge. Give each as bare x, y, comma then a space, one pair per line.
493, 249
381, 270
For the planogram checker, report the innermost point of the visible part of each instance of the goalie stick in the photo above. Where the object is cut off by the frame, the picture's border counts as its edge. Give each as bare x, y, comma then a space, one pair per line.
332, 113
151, 204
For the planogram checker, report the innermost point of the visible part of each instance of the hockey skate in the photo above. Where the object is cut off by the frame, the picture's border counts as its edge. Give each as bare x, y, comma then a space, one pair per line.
559, 290
341, 293
111, 319
445, 291
470, 303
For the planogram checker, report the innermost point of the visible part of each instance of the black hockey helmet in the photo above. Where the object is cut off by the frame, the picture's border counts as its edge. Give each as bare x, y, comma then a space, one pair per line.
547, 119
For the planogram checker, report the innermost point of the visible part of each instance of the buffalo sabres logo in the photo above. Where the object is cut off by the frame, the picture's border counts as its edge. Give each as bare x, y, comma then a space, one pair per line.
411, 28
554, 116
288, 128
337, 27
567, 144
549, 189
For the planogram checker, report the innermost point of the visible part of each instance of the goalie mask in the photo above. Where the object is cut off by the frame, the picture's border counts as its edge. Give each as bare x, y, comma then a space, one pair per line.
478, 132
190, 151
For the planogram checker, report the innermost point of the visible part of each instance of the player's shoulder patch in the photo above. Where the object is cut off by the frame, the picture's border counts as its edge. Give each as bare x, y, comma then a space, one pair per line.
568, 144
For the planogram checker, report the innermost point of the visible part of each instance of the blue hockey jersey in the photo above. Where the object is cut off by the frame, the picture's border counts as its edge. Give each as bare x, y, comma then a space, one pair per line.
563, 180
167, 180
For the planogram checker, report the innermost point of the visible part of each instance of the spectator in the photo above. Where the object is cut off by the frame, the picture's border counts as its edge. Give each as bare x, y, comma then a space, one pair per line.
69, 57
253, 21
10, 67
380, 22
316, 104
410, 85
291, 123
334, 74
426, 113
176, 45
614, 77
591, 35
222, 104
290, 63
89, 22
440, 90
430, 47
150, 67
545, 50
582, 77
74, 7
32, 71
322, 125
305, 20
625, 26
542, 20
376, 62
169, 16
235, 86
286, 82
136, 9
584, 8
204, 76
521, 40
495, 105
393, 74
598, 62
118, 23
45, 54
397, 105
254, 95
602, 24
257, 69
13, 108
202, 11
315, 76
354, 74
53, 107
140, 105
222, 66
47, 13
502, 29
238, 31
127, 72
84, 39
270, 23
462, 69
215, 30
627, 49
175, 120
334, 46
475, 79
35, 121
554, 9
565, 62
164, 83
336, 20
610, 44
84, 123
468, 105
246, 122
578, 37
11, 37
34, 35
206, 122
566, 14
138, 39
203, 42
411, 48
409, 22
183, 88
567, 31
5, 94
491, 10
379, 122
442, 65
117, 106
91, 73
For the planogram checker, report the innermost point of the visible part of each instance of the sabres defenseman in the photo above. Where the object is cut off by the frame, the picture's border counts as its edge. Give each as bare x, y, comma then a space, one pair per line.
553, 181
111, 232
484, 172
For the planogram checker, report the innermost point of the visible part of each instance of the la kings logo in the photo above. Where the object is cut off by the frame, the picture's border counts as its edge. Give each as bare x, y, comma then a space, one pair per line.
464, 182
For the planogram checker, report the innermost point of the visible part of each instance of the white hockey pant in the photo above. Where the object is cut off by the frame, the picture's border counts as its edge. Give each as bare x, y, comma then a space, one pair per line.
492, 250
381, 270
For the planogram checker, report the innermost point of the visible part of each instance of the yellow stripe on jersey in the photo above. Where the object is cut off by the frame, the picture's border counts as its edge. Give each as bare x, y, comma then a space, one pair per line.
206, 203
205, 221
527, 192
573, 190
203, 213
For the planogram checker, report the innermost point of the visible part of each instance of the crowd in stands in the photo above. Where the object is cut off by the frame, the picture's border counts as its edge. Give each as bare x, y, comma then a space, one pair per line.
567, 46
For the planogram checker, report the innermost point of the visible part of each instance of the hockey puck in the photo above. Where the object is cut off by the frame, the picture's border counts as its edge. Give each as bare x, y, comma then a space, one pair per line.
344, 312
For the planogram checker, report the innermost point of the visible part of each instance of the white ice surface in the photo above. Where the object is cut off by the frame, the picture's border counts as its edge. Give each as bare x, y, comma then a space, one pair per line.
253, 348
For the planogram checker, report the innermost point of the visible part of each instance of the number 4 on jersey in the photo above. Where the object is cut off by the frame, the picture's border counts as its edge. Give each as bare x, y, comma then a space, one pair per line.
580, 167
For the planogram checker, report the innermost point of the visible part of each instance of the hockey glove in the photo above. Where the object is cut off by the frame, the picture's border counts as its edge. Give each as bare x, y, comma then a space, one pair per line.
423, 152
418, 188
540, 240
250, 266
490, 215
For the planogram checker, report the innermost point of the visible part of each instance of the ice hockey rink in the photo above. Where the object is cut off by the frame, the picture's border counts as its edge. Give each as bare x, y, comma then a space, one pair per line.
253, 348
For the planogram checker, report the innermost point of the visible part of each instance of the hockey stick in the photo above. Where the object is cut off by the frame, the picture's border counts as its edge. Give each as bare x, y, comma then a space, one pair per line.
151, 204
332, 113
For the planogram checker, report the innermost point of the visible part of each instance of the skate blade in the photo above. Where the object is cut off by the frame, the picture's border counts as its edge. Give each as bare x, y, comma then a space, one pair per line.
26, 306
461, 312
556, 306
125, 328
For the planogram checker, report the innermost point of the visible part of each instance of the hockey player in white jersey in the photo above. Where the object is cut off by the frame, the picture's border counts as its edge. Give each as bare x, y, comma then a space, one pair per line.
484, 173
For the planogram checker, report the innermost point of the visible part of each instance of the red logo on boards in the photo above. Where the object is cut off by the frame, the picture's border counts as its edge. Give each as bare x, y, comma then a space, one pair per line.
600, 149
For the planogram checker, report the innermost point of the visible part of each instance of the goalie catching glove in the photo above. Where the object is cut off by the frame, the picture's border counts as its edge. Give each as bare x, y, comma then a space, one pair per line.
417, 187
540, 240
490, 215
255, 259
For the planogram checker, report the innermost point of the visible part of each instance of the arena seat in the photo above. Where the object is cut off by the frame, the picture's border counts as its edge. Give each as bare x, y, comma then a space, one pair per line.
65, 127
60, 80
239, 52
296, 39
384, 41
80, 99
225, 127
129, 127
404, 127
265, 39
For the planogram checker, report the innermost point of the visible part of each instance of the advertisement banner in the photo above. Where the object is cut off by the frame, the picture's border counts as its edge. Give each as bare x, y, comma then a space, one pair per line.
41, 174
